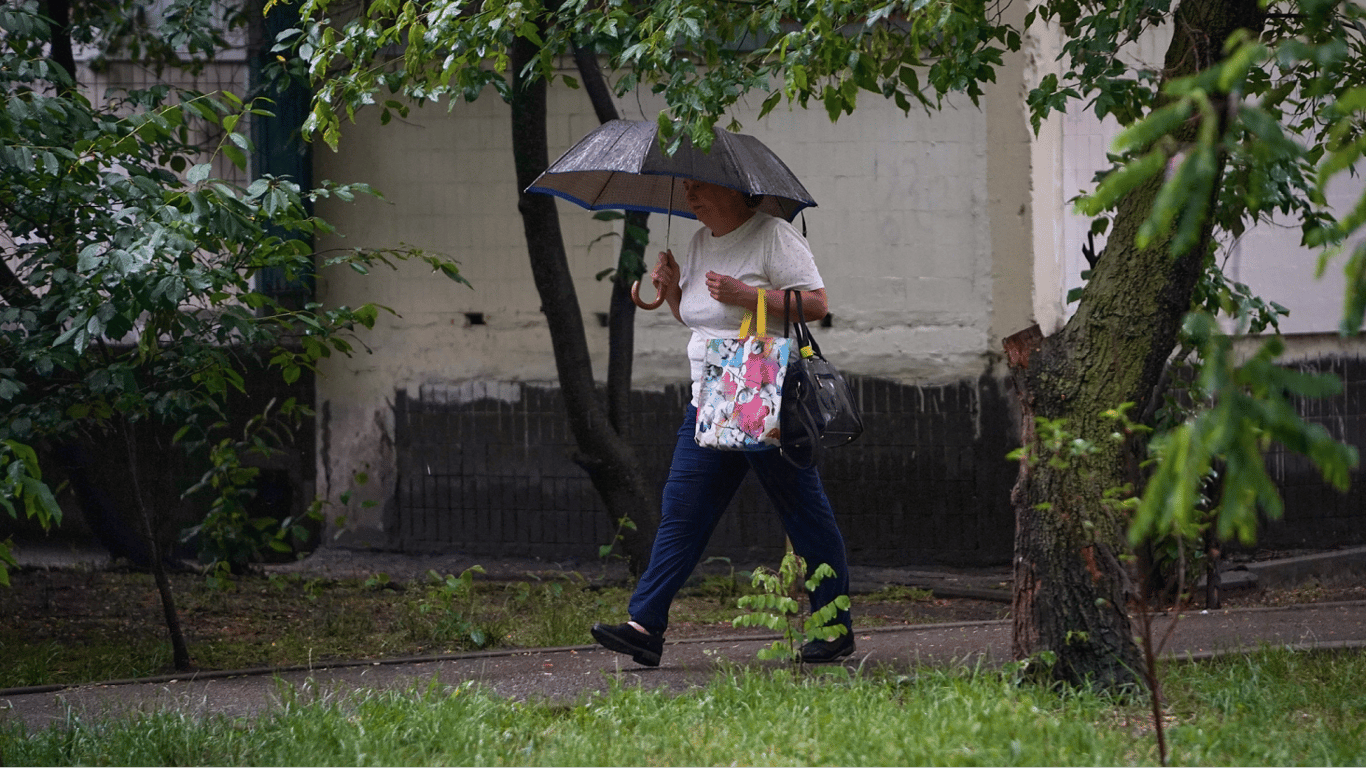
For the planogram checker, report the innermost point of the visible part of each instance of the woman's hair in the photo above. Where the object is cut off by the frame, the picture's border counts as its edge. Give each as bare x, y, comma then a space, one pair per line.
753, 201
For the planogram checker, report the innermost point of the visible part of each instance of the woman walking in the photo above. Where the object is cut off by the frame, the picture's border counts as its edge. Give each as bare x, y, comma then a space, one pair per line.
738, 251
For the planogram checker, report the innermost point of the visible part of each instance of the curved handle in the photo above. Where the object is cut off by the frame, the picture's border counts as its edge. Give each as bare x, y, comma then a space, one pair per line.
635, 296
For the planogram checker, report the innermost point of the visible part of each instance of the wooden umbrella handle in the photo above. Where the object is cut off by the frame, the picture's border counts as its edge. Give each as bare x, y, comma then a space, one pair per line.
635, 296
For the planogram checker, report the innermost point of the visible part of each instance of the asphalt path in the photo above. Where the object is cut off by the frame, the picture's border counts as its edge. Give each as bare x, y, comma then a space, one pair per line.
572, 674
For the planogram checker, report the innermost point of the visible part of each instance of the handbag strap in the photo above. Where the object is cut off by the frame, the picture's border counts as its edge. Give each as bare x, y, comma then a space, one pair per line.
806, 343
787, 311
761, 326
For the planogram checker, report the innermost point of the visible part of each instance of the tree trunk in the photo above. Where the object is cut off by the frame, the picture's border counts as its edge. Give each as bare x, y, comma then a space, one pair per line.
621, 318
60, 49
610, 462
1071, 586
180, 651
621, 342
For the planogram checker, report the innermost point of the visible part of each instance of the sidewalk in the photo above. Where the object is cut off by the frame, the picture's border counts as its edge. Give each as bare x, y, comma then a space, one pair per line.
569, 674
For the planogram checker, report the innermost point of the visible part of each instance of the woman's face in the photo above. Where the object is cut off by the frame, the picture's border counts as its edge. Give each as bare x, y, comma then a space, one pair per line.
711, 201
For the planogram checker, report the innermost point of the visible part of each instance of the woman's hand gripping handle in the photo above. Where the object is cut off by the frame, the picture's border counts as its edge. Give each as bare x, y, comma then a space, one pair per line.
665, 278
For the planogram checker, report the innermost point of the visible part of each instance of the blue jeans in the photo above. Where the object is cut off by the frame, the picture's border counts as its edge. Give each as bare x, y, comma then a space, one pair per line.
701, 483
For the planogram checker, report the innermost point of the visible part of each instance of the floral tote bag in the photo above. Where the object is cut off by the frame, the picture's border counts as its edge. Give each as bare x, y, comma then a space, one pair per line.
742, 388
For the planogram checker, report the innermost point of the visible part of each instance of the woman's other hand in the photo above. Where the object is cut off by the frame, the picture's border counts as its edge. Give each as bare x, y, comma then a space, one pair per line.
728, 290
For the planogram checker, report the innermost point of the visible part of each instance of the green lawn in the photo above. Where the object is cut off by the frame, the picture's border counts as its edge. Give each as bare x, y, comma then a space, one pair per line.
1270, 708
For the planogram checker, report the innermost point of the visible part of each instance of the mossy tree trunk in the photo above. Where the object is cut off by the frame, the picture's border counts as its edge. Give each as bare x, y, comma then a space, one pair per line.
1072, 586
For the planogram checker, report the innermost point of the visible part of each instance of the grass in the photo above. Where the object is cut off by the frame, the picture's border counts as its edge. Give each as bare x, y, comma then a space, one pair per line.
1278, 708
899, 593
282, 621
1269, 708
105, 658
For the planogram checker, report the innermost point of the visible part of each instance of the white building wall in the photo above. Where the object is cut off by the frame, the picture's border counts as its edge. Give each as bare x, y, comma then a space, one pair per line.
900, 234
1268, 258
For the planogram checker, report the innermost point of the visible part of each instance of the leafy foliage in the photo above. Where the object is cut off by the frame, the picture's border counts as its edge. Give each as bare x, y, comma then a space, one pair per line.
448, 610
1251, 406
179, 34
1255, 137
229, 538
701, 56
22, 481
128, 270
1285, 111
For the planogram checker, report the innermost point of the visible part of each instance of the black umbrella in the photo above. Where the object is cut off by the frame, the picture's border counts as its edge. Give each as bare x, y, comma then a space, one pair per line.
620, 165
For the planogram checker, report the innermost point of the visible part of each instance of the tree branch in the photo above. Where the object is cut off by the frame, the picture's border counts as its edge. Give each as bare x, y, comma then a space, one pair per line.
595, 84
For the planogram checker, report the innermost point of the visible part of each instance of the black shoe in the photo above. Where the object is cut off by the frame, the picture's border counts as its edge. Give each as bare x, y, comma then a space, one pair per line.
643, 647
826, 651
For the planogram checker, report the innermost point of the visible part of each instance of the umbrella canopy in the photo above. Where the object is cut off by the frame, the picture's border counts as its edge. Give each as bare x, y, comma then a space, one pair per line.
619, 165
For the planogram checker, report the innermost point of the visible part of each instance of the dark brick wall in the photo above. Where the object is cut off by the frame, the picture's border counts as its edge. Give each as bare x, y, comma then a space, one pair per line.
91, 475
927, 483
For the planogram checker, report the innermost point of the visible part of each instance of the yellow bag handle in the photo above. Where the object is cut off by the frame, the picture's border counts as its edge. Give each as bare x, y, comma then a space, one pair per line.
760, 326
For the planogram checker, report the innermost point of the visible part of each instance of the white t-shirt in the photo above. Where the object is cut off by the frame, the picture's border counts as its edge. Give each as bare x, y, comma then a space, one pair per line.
764, 252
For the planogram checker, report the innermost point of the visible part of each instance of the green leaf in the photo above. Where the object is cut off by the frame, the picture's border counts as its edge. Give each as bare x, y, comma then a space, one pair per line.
39, 502
772, 101
834, 103
235, 155
1144, 133
1119, 183
89, 258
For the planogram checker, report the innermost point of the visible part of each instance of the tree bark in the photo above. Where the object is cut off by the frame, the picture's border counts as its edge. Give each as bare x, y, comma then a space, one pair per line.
1072, 588
609, 460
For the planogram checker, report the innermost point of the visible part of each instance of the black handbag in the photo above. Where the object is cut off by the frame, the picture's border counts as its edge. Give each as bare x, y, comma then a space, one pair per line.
818, 409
